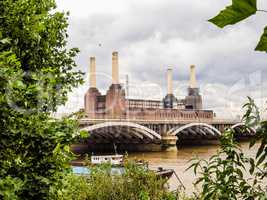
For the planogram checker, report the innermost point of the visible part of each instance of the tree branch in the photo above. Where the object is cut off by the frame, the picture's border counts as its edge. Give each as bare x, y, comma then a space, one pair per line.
262, 11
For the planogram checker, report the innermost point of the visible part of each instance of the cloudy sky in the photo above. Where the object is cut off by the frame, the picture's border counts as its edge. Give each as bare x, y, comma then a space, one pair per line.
151, 35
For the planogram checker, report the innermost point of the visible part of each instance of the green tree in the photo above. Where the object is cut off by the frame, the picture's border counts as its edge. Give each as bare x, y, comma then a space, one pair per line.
36, 73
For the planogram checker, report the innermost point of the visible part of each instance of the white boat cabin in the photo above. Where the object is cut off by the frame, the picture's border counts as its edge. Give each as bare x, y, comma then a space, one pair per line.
112, 159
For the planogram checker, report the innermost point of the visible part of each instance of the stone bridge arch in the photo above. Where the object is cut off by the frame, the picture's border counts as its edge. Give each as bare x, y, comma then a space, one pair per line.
195, 130
122, 132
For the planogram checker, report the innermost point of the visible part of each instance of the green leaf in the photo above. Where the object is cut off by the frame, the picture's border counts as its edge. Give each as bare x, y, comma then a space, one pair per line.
84, 134
19, 84
261, 159
262, 45
5, 41
252, 166
199, 180
238, 11
252, 142
260, 150
239, 172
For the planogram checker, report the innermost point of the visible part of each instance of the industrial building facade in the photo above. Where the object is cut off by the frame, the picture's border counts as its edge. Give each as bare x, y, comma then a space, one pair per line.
115, 105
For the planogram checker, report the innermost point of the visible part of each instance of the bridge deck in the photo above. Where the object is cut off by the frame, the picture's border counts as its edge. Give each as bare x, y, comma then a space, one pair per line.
85, 121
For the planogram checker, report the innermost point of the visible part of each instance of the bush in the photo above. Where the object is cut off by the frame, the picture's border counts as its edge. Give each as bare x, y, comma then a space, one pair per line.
135, 183
10, 187
222, 175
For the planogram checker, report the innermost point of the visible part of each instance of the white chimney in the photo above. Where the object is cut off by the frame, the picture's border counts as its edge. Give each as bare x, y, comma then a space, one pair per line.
92, 73
193, 82
115, 68
169, 81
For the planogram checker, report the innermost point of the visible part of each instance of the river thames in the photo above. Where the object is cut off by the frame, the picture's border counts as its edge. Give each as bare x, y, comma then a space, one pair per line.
178, 161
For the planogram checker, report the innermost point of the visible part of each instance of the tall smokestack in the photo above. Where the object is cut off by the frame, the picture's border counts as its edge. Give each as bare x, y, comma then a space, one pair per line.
127, 85
115, 68
169, 79
193, 82
92, 73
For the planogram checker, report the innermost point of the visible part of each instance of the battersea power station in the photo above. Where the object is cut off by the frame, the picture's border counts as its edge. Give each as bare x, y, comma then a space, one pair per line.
146, 125
115, 105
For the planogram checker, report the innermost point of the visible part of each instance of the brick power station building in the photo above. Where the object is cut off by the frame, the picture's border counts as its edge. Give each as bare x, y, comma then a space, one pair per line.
115, 105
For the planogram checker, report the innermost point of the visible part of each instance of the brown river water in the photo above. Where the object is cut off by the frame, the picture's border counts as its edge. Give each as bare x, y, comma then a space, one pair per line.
178, 161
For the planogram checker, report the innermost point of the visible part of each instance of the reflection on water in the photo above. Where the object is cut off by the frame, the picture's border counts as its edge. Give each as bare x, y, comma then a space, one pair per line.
178, 160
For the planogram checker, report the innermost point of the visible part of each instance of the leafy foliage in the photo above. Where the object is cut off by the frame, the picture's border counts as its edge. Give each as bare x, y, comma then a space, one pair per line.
253, 119
238, 11
223, 175
36, 73
135, 183
37, 37
9, 187
223, 179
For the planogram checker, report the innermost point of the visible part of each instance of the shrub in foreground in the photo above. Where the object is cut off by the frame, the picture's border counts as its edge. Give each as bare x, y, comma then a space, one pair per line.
230, 174
135, 183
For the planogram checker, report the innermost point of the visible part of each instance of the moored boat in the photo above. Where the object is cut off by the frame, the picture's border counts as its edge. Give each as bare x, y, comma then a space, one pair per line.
112, 159
164, 173
117, 166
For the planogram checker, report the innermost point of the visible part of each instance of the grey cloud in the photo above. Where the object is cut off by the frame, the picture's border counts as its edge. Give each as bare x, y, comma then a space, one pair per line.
152, 36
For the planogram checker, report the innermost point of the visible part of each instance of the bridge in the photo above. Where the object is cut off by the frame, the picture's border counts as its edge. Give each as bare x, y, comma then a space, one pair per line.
148, 125
155, 135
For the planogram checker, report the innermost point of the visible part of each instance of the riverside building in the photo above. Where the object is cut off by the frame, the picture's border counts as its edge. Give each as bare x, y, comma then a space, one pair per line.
115, 105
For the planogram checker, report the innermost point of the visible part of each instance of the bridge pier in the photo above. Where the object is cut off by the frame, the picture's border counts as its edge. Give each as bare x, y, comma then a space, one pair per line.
168, 143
